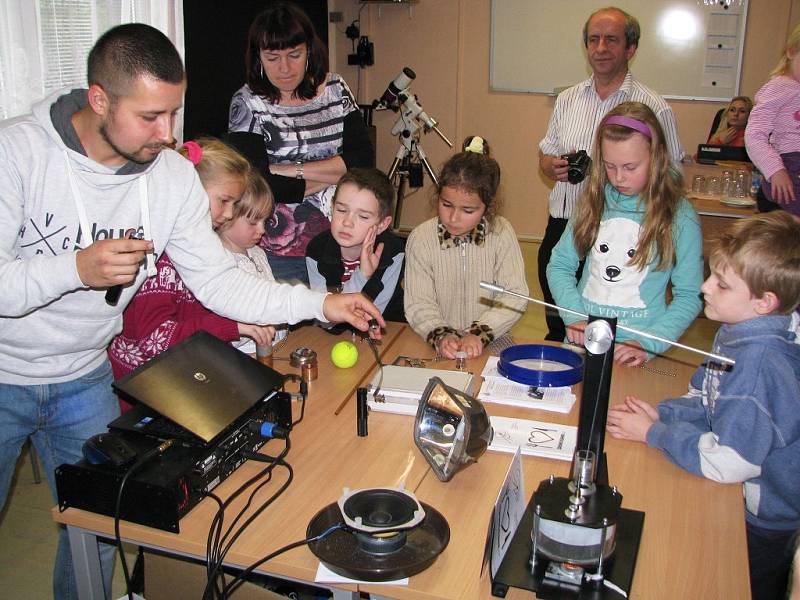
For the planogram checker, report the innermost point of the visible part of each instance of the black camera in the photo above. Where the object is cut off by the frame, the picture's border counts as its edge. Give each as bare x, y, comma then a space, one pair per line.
579, 164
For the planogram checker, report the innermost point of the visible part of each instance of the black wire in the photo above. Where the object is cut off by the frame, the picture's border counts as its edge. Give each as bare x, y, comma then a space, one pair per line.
240, 578
218, 553
145, 458
303, 393
218, 518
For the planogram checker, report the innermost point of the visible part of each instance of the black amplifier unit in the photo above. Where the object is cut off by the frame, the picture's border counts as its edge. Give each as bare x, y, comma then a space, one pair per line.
161, 492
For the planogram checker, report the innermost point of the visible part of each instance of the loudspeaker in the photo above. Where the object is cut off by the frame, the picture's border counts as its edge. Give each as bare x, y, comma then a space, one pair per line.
387, 534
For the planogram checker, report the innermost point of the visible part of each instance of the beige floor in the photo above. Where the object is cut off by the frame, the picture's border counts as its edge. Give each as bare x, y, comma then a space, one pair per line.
28, 536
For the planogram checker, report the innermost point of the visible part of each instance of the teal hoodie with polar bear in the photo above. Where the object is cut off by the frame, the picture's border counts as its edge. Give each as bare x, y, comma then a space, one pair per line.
610, 287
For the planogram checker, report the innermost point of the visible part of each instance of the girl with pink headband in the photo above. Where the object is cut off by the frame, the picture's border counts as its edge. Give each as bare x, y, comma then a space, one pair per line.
164, 311
637, 234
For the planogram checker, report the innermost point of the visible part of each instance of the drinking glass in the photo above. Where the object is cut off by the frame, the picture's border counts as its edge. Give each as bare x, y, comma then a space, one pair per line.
714, 186
699, 184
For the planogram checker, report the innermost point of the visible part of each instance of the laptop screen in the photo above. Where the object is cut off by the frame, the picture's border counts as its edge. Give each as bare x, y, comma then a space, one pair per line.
203, 384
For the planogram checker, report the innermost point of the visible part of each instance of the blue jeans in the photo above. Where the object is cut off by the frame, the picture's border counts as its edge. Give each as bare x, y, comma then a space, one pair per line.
288, 269
58, 418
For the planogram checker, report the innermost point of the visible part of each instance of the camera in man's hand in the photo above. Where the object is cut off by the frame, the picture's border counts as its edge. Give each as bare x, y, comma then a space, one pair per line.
578, 165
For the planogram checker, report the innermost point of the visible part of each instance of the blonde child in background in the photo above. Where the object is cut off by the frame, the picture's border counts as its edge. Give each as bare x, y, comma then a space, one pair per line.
637, 234
448, 256
164, 311
741, 423
773, 131
240, 236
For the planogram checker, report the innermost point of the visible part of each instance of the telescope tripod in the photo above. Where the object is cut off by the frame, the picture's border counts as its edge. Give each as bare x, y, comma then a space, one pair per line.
407, 166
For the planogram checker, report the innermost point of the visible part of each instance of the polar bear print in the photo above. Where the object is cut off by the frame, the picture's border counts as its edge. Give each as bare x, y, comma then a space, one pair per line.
612, 280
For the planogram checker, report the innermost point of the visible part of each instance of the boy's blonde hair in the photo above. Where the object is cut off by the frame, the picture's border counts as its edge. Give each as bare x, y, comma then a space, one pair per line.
793, 46
218, 159
256, 203
659, 198
764, 250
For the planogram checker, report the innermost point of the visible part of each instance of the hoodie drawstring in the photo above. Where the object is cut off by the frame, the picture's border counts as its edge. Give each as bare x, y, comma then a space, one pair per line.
85, 228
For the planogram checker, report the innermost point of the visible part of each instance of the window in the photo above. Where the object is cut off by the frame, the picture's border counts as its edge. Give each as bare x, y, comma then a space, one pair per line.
44, 43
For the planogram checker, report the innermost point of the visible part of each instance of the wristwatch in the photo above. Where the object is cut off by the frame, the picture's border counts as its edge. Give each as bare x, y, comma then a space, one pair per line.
298, 169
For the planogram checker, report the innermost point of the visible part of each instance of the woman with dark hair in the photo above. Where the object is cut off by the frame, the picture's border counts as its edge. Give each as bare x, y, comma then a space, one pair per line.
301, 126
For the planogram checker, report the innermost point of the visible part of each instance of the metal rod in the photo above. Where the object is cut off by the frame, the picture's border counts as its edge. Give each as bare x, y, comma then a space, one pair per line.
501, 290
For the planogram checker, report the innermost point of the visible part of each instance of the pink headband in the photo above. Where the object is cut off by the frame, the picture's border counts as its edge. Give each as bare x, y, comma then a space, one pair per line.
193, 152
630, 123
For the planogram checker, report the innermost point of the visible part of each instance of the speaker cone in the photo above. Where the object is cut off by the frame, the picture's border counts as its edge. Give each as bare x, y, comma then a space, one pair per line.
379, 510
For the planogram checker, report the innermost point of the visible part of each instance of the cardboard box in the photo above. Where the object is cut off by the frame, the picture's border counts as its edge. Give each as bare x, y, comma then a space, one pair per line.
168, 578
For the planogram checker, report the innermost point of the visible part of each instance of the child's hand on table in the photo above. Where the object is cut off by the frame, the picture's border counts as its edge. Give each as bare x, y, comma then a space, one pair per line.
261, 334
631, 420
630, 353
472, 345
576, 333
449, 345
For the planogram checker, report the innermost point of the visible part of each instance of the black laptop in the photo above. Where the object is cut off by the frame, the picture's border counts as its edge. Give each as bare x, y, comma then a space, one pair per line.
711, 153
194, 391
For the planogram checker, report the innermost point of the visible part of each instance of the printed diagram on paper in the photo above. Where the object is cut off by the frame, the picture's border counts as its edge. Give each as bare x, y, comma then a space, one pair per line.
534, 438
499, 390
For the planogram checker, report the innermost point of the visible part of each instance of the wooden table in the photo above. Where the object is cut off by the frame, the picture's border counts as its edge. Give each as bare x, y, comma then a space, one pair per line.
693, 544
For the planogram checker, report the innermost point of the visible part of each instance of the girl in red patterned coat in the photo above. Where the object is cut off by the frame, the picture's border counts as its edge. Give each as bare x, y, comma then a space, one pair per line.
163, 312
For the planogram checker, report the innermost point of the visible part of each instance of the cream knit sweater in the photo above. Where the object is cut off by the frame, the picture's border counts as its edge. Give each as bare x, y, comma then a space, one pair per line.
441, 285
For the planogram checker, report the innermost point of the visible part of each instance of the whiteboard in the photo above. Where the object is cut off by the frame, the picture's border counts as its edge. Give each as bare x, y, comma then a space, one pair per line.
687, 49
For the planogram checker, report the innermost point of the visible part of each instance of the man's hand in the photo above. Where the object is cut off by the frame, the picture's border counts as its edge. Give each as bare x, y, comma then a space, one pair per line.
370, 258
111, 262
554, 167
262, 335
631, 420
354, 309
630, 353
781, 187
449, 345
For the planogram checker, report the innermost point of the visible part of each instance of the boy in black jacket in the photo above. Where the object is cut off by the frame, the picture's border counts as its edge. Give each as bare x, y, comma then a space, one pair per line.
360, 253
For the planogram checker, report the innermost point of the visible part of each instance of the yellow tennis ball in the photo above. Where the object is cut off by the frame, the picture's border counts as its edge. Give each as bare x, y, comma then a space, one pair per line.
344, 354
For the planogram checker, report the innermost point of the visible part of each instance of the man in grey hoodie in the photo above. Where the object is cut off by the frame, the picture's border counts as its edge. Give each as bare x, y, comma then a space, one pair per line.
80, 173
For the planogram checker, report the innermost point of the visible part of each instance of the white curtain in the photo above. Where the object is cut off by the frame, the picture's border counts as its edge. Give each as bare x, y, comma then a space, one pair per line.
44, 43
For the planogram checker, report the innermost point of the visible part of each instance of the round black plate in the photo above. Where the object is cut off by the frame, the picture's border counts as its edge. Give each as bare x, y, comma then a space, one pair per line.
340, 552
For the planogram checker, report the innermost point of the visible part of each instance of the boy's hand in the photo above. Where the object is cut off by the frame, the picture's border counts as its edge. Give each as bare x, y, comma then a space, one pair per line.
449, 345
782, 187
630, 353
354, 309
370, 255
472, 345
631, 420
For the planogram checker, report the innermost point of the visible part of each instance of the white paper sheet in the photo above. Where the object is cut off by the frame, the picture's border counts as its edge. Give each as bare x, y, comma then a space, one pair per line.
534, 438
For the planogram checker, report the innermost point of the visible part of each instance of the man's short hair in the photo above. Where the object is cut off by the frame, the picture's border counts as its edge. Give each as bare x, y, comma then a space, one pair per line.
632, 30
374, 181
764, 250
126, 52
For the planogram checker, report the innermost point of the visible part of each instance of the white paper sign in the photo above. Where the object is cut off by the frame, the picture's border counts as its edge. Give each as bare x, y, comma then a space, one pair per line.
508, 511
